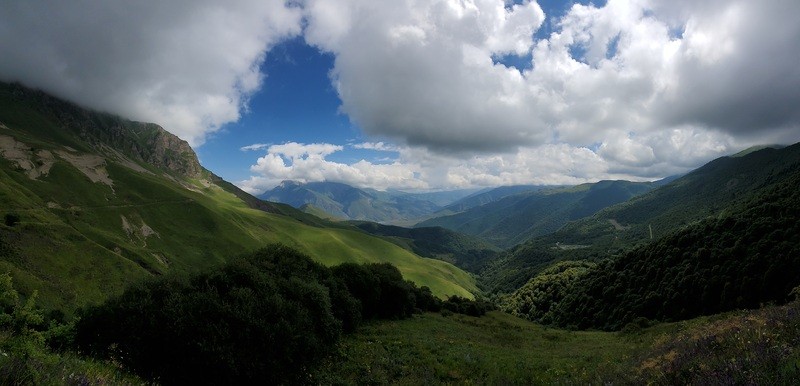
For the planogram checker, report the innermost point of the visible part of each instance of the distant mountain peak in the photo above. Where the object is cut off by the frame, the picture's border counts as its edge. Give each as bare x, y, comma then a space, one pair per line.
753, 149
289, 183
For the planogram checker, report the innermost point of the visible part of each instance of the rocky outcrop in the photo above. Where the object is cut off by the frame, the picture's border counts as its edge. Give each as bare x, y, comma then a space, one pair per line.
143, 142
166, 151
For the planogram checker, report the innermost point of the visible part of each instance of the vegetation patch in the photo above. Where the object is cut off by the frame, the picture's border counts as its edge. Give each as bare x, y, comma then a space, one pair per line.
270, 316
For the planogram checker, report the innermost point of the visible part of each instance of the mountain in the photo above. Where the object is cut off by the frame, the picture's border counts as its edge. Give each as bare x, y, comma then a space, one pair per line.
537, 211
486, 196
342, 201
746, 256
466, 252
93, 202
707, 192
443, 198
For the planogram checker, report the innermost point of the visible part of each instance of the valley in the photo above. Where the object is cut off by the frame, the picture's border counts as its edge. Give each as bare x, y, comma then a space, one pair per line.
441, 192
531, 284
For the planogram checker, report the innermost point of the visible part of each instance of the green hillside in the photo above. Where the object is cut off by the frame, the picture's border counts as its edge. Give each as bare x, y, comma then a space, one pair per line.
486, 196
746, 256
707, 192
95, 214
704, 192
466, 252
518, 217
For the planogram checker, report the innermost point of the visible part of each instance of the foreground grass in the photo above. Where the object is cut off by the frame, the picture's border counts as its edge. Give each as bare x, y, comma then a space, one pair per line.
35, 365
494, 349
743, 347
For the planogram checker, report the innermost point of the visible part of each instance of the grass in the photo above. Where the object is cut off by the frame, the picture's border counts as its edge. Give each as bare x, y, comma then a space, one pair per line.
494, 349
743, 347
25, 363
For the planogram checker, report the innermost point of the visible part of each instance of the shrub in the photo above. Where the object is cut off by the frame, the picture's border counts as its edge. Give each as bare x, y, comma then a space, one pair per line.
465, 306
11, 219
263, 318
380, 289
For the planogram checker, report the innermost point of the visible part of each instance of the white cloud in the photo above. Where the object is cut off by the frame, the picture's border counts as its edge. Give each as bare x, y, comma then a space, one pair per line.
632, 89
379, 146
422, 71
294, 150
419, 169
255, 146
307, 163
187, 65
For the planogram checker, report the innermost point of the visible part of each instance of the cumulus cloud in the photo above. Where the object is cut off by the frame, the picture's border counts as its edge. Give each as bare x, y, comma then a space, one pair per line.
416, 168
308, 163
188, 65
631, 89
422, 71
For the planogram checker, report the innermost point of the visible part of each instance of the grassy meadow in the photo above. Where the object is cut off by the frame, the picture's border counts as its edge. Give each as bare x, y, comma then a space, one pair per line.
742, 347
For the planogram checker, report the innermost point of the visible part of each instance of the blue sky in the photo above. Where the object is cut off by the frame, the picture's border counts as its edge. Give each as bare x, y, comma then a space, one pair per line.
426, 94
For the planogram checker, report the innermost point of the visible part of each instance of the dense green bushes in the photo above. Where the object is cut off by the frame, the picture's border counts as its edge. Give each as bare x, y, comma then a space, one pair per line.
535, 300
11, 219
746, 257
250, 320
268, 317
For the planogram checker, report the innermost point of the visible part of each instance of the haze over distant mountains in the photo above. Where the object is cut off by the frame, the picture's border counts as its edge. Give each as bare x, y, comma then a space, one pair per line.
504, 216
515, 218
345, 202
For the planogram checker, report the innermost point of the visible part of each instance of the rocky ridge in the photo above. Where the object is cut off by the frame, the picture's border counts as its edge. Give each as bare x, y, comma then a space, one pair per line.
143, 142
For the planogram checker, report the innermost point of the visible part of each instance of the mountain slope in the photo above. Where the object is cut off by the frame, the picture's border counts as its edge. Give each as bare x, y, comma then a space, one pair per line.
466, 252
516, 218
98, 208
746, 256
349, 203
487, 196
703, 192
708, 191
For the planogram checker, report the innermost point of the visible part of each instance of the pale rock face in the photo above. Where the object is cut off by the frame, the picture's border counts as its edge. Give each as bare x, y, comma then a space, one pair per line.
175, 154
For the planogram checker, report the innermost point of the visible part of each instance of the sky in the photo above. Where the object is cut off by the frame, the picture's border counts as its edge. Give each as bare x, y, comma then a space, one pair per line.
423, 95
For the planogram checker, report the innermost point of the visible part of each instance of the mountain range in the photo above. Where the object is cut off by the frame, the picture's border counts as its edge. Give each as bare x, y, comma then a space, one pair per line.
516, 217
344, 202
94, 202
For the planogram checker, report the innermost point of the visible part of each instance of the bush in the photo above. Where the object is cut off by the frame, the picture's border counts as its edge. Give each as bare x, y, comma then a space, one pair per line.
11, 219
268, 317
380, 289
264, 318
465, 306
